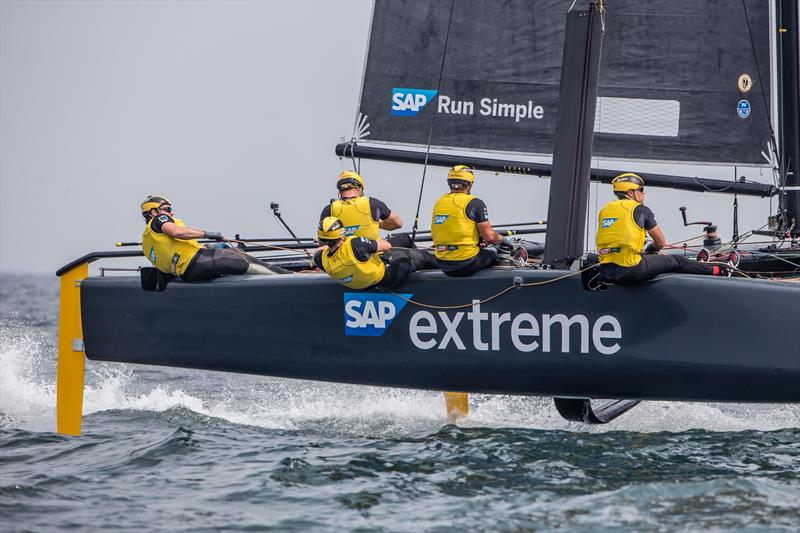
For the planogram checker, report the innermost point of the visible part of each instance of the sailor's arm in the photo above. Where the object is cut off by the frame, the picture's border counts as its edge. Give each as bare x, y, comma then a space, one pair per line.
659, 241
392, 222
387, 219
186, 233
383, 245
488, 233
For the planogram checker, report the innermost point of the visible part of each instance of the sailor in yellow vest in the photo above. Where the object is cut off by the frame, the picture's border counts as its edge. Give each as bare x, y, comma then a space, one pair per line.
361, 262
621, 229
362, 215
460, 222
172, 247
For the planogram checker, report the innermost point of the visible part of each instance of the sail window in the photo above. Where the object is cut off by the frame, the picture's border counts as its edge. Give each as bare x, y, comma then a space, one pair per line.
637, 116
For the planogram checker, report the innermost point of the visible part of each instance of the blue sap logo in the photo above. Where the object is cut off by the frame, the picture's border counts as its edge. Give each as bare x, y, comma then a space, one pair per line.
409, 102
439, 219
346, 279
369, 314
608, 222
743, 108
351, 230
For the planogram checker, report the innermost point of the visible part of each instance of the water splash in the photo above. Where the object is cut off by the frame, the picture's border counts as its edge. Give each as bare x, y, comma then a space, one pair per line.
28, 397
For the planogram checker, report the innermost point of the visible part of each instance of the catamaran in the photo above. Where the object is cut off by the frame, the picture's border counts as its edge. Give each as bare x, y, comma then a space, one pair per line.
491, 85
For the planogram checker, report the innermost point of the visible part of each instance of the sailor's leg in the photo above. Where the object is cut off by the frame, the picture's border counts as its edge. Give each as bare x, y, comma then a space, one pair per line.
210, 263
484, 259
652, 265
420, 259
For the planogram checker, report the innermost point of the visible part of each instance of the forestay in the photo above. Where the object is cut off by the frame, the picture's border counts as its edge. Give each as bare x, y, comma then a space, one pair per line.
671, 86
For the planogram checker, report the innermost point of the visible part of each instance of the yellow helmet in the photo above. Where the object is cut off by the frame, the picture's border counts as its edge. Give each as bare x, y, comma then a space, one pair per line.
330, 229
627, 182
462, 173
153, 202
348, 180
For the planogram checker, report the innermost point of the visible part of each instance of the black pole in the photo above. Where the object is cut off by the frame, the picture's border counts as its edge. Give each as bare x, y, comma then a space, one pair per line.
275, 211
572, 154
507, 166
788, 113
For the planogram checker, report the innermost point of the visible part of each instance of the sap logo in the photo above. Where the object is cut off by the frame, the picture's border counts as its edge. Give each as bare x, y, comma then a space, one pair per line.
347, 279
608, 222
409, 102
349, 231
439, 219
369, 314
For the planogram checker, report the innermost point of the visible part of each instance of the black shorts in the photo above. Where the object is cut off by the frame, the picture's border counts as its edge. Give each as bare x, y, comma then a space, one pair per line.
485, 258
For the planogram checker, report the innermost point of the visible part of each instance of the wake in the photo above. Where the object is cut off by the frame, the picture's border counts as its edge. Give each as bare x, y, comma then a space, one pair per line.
28, 401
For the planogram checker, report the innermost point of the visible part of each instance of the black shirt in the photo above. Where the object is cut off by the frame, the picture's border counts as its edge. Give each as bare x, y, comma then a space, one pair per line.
476, 211
363, 248
378, 210
644, 217
159, 221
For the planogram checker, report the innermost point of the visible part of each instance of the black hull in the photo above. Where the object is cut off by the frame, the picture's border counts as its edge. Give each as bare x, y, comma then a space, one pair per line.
682, 337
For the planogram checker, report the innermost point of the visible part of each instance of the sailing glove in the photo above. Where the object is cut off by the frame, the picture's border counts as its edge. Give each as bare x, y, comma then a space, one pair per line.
505, 244
213, 235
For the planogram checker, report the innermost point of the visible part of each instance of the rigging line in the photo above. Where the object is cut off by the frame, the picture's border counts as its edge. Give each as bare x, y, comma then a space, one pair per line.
761, 81
433, 120
492, 297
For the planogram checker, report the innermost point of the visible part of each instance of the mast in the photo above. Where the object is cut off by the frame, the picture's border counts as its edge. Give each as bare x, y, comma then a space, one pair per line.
788, 113
577, 100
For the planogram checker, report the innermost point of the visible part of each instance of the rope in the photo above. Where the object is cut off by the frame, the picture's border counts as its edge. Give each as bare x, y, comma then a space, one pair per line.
430, 130
493, 296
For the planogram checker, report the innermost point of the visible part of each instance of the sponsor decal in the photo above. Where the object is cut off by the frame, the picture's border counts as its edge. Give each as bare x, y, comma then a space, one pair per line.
370, 314
349, 231
152, 255
743, 108
439, 219
346, 279
523, 332
745, 83
608, 222
409, 102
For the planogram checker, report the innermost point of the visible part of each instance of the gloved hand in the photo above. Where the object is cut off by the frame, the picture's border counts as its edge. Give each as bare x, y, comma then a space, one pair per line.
505, 245
650, 249
213, 235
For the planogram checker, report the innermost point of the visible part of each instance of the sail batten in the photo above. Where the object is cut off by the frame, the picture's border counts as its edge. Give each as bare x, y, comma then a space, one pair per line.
669, 88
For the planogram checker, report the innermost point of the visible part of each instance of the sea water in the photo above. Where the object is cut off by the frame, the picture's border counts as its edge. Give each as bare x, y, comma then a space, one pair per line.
173, 449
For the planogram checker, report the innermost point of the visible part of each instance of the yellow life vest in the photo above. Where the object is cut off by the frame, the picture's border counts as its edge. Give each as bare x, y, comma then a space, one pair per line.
356, 216
455, 236
344, 267
620, 239
168, 254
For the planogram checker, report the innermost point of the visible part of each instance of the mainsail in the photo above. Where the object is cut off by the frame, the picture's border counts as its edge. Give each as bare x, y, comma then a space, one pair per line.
680, 80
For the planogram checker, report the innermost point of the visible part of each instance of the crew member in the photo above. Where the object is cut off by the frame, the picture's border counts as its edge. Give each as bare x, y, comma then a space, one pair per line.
172, 247
621, 228
362, 215
361, 262
460, 221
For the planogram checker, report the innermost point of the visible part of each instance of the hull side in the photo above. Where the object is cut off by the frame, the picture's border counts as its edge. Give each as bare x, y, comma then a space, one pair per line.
677, 338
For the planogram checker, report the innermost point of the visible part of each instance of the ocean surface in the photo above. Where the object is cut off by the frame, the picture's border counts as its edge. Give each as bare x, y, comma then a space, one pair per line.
172, 449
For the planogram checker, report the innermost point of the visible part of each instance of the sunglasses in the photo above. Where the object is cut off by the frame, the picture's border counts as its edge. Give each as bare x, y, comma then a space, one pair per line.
166, 208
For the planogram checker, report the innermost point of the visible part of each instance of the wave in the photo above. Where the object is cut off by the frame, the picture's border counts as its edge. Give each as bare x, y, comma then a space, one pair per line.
28, 399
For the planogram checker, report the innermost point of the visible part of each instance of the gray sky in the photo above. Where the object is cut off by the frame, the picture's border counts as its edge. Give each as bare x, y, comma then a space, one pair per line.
222, 107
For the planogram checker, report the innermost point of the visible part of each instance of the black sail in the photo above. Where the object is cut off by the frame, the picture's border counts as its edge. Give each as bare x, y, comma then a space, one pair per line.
669, 83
